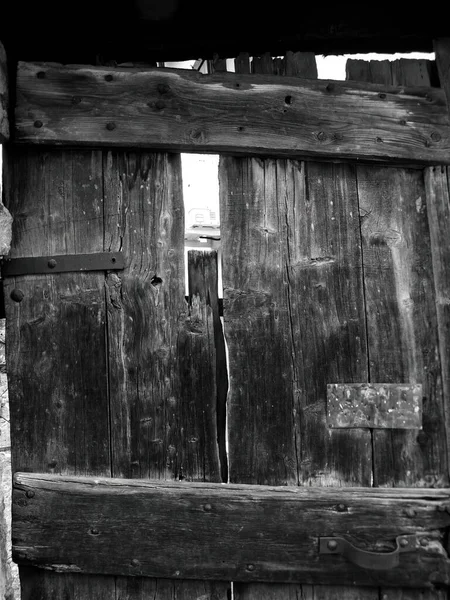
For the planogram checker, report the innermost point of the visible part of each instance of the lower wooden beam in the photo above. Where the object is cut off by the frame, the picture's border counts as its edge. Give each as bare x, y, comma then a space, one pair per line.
227, 532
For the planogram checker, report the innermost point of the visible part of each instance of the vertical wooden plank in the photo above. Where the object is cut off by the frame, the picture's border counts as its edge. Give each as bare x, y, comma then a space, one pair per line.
401, 313
160, 348
4, 97
292, 327
56, 349
442, 50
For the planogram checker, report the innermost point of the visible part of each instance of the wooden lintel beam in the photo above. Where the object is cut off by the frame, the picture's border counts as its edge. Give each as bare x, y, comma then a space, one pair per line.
225, 532
4, 98
228, 113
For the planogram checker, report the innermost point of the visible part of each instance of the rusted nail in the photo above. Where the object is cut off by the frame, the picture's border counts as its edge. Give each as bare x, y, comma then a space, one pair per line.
51, 263
382, 96
17, 295
403, 542
341, 507
321, 136
207, 507
94, 531
410, 512
379, 140
424, 541
402, 122
30, 494
135, 562
76, 100
250, 567
109, 77
332, 545
38, 124
110, 126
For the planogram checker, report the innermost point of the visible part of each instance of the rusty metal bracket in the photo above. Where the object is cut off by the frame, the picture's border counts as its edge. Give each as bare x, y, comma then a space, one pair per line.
41, 265
377, 561
375, 405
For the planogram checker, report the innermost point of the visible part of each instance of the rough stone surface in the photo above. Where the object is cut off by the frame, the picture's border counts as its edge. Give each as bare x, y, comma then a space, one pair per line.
9, 582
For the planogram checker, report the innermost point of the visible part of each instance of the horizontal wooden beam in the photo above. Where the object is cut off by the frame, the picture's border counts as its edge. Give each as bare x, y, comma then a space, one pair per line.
247, 114
226, 532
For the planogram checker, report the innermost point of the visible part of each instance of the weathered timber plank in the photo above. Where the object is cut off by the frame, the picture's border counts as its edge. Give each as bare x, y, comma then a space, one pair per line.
162, 355
263, 114
401, 313
211, 531
402, 321
4, 97
56, 349
204, 310
374, 405
157, 344
438, 207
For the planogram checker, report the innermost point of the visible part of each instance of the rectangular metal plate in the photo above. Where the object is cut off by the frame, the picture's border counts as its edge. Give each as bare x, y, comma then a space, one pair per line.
100, 261
376, 405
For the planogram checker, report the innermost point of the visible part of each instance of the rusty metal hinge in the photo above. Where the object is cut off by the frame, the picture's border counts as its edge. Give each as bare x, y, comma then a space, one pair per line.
377, 561
65, 263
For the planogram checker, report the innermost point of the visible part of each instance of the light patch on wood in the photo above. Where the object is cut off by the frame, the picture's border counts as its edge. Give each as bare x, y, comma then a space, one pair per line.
376, 405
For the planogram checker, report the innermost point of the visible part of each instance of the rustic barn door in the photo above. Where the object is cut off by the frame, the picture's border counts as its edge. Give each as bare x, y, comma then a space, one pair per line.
330, 273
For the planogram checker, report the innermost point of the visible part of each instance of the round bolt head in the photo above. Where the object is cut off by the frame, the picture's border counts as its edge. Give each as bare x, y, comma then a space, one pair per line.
341, 507
424, 541
17, 295
250, 567
410, 512
403, 542
110, 126
332, 545
30, 494
135, 562
207, 507
51, 263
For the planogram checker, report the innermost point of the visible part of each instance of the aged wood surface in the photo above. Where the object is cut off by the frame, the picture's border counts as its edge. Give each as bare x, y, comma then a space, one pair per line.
162, 358
401, 312
4, 97
291, 327
375, 405
263, 114
401, 315
231, 532
442, 50
438, 205
56, 349
204, 310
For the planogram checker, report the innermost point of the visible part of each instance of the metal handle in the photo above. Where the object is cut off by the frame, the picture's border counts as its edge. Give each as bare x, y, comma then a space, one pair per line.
378, 561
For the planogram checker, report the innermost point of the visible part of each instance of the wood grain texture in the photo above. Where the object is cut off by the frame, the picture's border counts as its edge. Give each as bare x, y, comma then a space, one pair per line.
58, 392
442, 50
291, 327
160, 349
401, 312
162, 353
187, 111
211, 531
4, 97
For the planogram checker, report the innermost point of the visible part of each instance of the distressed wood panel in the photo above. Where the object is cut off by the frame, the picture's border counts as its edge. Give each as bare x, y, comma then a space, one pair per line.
401, 313
291, 327
211, 531
263, 114
162, 354
56, 350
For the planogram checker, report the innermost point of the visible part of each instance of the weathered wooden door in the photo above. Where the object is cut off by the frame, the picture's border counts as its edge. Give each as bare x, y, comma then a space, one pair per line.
333, 274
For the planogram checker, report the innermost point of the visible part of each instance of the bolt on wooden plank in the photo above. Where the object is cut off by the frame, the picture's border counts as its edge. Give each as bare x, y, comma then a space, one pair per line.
375, 405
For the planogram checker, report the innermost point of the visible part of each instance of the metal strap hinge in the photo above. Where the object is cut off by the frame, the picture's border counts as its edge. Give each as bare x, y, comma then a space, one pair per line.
65, 263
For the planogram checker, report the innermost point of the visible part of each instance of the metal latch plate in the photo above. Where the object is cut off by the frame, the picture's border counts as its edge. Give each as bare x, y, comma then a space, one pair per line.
40, 265
375, 405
